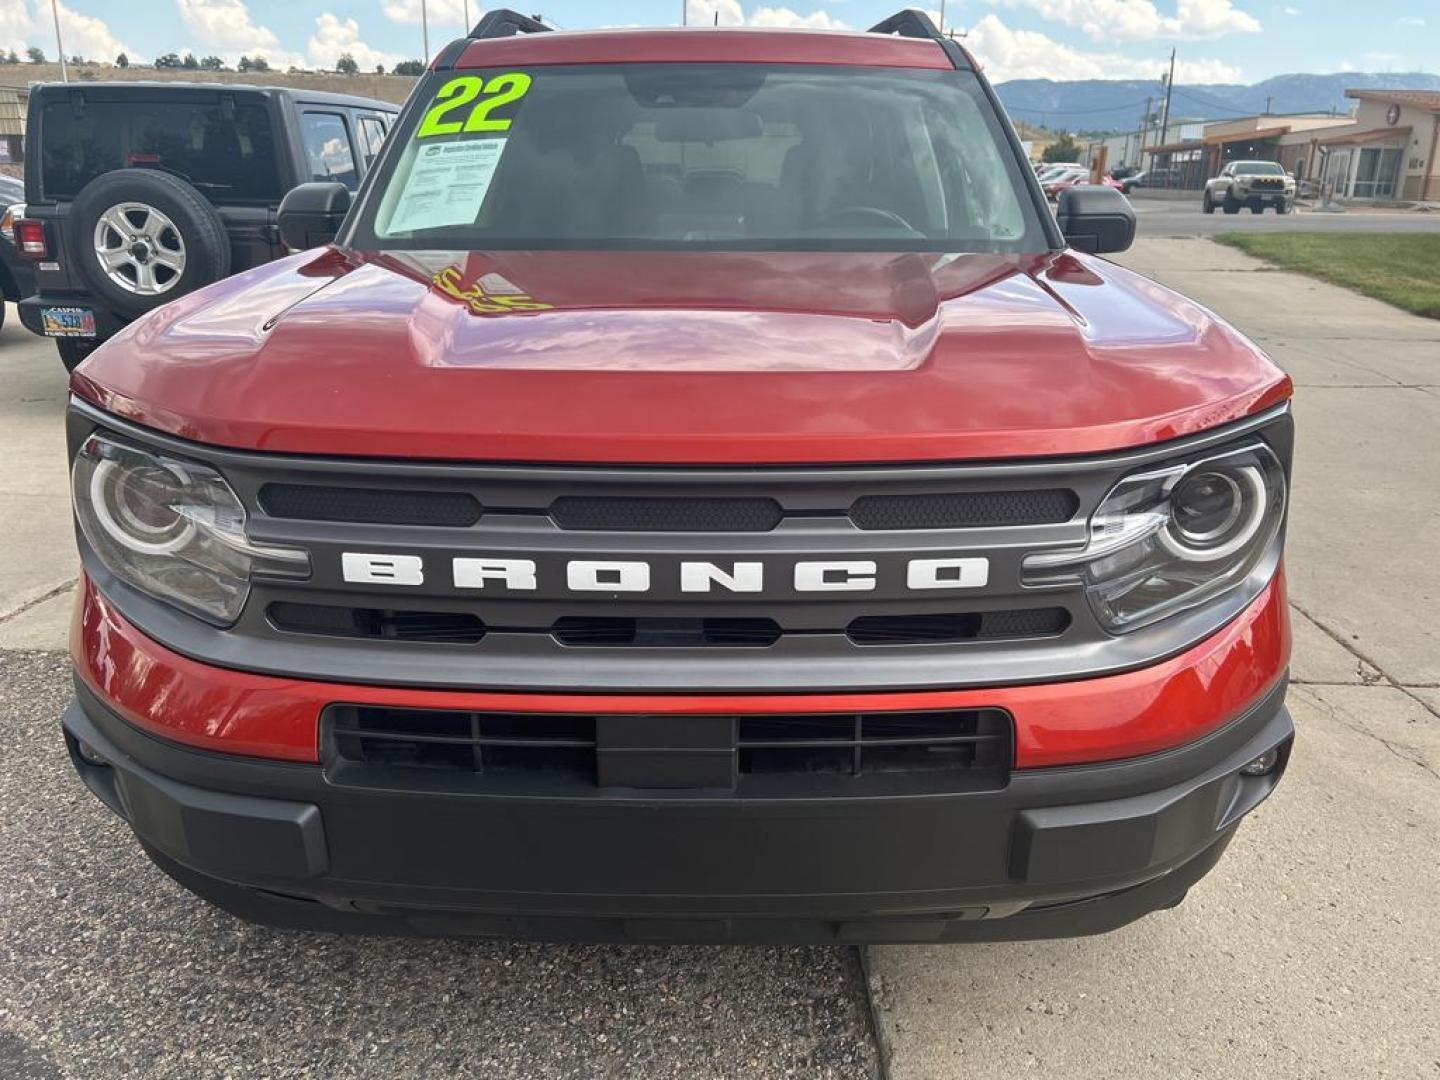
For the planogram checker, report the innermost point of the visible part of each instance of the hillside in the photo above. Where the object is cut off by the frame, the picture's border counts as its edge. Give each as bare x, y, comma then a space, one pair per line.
385, 87
1116, 105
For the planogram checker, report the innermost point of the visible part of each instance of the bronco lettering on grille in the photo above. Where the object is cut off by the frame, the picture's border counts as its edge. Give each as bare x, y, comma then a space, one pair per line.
635, 576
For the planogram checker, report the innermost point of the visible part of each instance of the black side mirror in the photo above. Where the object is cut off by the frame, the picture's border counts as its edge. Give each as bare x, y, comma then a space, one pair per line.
1095, 219
311, 214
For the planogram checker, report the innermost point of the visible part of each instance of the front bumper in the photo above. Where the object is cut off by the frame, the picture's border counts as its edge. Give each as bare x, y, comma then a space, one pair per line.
1055, 852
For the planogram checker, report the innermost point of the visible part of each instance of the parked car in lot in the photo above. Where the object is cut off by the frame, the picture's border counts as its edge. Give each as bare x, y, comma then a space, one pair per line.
699, 491
17, 276
1256, 184
1058, 181
138, 193
1074, 177
1133, 180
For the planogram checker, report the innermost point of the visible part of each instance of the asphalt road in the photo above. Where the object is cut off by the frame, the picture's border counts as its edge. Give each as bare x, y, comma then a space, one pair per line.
1170, 218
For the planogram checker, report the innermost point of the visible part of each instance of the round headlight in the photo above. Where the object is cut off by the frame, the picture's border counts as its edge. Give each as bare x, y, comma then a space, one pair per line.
138, 506
1215, 512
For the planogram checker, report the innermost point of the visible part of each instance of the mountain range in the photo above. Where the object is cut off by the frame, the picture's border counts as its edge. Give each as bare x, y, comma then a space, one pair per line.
1102, 105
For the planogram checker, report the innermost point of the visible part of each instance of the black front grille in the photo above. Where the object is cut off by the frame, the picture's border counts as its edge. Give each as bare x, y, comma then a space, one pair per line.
961, 626
777, 753
965, 510
666, 515
313, 502
458, 509
619, 631
578, 630
356, 622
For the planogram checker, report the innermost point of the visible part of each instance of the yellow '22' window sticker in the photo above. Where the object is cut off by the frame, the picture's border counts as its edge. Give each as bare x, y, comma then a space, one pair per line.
446, 115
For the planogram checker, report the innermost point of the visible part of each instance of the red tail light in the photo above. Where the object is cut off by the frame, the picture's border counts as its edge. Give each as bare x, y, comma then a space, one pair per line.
30, 239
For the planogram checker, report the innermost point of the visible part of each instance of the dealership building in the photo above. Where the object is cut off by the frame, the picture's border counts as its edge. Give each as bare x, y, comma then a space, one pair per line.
1390, 151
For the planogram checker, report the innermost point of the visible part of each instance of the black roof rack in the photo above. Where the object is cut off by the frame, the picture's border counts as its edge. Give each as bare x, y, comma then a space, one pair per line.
506, 23
911, 23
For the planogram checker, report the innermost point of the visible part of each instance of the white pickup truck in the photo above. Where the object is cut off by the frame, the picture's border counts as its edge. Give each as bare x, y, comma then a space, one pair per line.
1255, 184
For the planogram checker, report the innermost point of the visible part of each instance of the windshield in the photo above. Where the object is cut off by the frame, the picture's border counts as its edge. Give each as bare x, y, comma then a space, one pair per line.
1259, 168
725, 156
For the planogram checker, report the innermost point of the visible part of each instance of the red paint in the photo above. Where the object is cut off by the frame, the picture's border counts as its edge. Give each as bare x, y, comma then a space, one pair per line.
683, 358
1102, 719
705, 46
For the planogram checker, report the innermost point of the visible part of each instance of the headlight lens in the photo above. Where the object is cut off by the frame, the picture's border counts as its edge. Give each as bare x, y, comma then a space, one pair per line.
1165, 541
172, 528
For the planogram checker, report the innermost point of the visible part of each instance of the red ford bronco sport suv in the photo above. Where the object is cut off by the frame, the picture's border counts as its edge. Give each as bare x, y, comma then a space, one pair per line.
696, 491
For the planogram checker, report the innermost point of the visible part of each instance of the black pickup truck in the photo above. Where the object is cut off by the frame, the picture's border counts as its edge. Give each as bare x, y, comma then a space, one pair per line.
140, 192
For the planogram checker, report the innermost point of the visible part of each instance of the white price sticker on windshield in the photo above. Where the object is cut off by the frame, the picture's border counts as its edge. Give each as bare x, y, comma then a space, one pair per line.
447, 184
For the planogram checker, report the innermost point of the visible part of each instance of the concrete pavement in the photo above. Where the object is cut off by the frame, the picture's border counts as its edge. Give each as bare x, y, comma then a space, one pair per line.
37, 543
1313, 950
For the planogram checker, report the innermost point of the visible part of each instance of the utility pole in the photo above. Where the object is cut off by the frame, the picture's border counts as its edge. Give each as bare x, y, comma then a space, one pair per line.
1145, 125
942, 16
424, 30
1268, 99
467, 15
684, 12
1169, 86
59, 45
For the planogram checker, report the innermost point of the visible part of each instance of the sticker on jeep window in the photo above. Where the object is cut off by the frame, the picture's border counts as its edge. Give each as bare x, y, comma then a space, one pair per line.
447, 116
447, 184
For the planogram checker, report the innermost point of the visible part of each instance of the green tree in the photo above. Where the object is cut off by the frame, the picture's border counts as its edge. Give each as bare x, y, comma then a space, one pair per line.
379, 69
35, 54
122, 61
259, 64
1065, 148
212, 63
409, 67
190, 63
346, 65
168, 60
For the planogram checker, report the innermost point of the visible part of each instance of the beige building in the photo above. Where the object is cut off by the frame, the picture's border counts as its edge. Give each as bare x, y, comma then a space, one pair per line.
1390, 152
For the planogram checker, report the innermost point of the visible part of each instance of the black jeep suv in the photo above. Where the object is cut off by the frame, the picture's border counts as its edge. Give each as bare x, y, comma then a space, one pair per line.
141, 192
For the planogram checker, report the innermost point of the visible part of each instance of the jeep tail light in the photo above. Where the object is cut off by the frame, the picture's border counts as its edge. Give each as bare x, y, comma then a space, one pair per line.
173, 529
30, 239
1168, 540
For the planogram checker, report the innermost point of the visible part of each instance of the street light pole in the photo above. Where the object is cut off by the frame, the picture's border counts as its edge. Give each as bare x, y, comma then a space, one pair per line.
424, 30
59, 45
467, 16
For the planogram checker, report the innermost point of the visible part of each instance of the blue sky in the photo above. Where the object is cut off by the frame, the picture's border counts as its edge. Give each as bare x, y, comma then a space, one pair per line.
1218, 40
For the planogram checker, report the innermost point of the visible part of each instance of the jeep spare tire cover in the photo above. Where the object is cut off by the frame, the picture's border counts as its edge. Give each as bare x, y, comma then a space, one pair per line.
141, 238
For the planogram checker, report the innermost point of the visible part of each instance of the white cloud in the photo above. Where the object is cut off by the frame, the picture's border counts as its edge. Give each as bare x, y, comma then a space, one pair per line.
442, 13
819, 20
1291, 11
335, 37
1411, 20
731, 13
1106, 20
1007, 54
23, 24
225, 28
714, 12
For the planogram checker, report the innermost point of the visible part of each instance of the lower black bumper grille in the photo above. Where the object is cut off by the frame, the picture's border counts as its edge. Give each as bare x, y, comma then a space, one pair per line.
751, 754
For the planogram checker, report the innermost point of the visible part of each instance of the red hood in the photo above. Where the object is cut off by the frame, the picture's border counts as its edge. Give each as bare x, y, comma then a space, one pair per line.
682, 358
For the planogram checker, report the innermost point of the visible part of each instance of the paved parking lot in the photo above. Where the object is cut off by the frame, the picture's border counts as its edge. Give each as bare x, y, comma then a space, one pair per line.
1310, 952
1181, 218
